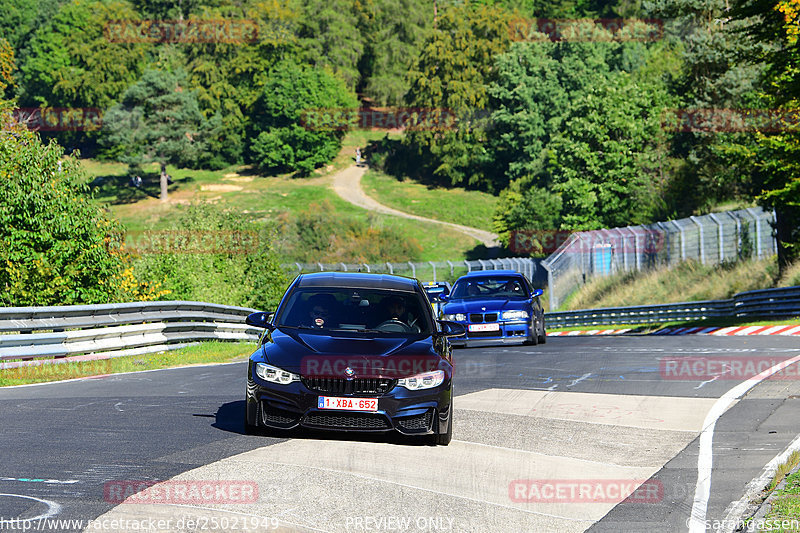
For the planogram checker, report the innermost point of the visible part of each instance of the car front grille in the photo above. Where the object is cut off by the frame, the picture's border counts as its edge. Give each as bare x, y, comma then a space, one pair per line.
349, 386
416, 423
347, 420
477, 318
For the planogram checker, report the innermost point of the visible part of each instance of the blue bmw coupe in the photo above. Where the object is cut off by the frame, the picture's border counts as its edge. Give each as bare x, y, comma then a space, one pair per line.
496, 306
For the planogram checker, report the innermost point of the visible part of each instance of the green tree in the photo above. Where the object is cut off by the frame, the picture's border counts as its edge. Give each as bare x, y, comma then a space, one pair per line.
455, 66
774, 156
394, 32
714, 75
72, 62
59, 248
330, 37
577, 133
285, 135
229, 77
158, 120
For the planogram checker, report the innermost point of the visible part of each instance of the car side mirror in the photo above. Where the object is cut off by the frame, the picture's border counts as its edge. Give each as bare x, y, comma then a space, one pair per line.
452, 329
442, 297
260, 320
537, 293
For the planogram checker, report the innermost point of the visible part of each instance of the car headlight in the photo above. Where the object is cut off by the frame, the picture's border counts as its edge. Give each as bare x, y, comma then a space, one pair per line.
515, 315
274, 374
458, 317
426, 380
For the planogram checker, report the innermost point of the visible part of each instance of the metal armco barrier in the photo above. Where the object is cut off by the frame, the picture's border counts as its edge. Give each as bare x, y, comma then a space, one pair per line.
782, 302
113, 330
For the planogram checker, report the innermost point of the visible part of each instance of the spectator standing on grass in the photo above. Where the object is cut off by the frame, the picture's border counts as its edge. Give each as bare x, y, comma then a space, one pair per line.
358, 155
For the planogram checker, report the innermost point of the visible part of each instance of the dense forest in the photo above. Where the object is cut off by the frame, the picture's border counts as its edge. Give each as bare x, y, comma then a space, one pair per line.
578, 114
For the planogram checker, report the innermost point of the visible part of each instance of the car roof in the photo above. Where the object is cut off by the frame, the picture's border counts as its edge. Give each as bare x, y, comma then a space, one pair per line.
357, 280
488, 273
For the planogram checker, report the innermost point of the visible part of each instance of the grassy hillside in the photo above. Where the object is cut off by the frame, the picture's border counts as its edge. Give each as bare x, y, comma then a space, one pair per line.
273, 200
689, 281
457, 205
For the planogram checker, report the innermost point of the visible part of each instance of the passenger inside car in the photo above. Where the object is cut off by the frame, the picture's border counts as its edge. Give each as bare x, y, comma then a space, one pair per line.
320, 311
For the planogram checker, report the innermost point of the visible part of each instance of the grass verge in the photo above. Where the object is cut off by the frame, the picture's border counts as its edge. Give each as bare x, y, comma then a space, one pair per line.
207, 352
784, 514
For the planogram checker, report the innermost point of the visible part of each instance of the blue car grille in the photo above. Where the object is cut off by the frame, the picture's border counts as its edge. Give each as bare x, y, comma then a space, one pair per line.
477, 318
349, 386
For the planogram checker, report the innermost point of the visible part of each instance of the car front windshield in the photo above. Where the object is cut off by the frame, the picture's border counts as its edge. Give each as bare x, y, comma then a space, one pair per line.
490, 287
365, 310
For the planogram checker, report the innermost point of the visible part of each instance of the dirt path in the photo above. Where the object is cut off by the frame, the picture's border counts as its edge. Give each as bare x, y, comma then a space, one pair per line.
347, 184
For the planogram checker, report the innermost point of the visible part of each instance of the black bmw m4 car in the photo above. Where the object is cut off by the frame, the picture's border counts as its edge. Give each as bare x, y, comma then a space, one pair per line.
353, 352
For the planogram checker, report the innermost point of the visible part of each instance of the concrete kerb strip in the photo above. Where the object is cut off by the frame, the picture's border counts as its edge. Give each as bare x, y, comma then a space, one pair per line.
784, 329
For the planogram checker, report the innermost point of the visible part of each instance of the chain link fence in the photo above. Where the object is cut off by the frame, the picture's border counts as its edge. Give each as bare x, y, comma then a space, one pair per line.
433, 270
709, 239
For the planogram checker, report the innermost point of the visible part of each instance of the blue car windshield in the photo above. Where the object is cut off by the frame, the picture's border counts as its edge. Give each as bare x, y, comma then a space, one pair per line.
490, 287
367, 310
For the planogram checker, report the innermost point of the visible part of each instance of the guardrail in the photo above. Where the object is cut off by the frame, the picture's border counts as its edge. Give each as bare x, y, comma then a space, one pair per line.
29, 335
765, 303
114, 330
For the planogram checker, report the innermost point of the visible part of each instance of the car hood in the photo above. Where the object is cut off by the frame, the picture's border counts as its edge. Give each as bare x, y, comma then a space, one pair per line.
311, 354
491, 304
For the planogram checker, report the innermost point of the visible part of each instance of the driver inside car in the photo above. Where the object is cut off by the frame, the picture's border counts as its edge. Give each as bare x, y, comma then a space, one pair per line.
396, 311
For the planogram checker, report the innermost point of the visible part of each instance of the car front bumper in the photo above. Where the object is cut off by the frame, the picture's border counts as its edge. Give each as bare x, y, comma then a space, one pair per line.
516, 332
294, 405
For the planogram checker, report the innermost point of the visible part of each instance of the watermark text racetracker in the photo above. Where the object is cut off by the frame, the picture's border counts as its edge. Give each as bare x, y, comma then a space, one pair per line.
547, 241
58, 118
223, 30
585, 30
713, 120
724, 367
196, 492
585, 491
235, 242
384, 118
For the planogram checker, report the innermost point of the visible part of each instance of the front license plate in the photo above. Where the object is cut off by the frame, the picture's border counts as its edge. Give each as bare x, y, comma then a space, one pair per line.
484, 327
348, 404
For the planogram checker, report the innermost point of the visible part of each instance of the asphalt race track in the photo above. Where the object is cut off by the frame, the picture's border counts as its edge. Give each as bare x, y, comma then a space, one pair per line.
531, 423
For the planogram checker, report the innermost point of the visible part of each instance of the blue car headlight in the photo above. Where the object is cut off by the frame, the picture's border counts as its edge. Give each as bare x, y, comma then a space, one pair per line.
515, 315
426, 380
274, 374
458, 317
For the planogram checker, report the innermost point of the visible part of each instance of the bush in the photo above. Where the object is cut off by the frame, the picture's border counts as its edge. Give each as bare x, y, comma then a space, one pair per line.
212, 256
320, 234
59, 248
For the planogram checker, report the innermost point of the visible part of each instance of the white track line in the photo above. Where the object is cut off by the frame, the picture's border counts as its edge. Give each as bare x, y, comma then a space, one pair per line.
697, 520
